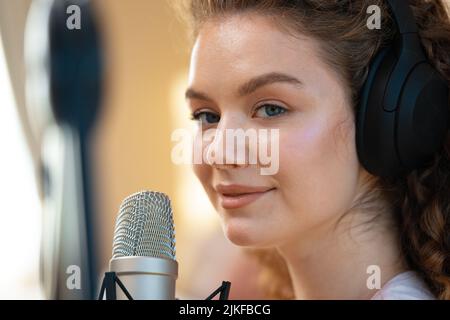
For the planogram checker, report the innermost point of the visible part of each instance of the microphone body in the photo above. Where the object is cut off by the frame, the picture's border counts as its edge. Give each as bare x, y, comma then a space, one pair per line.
146, 278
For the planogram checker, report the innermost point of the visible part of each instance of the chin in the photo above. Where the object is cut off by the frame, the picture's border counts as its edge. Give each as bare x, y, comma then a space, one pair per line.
244, 235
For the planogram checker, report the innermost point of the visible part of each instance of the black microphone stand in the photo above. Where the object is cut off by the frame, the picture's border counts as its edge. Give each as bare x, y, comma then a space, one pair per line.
109, 286
111, 279
224, 290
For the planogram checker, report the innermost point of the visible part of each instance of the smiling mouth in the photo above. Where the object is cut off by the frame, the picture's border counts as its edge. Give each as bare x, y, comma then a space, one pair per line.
238, 200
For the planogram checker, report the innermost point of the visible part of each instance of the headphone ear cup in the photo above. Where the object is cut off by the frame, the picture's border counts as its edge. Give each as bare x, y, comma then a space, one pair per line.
423, 116
375, 127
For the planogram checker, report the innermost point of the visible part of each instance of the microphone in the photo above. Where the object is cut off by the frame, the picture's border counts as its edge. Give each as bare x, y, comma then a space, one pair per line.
143, 257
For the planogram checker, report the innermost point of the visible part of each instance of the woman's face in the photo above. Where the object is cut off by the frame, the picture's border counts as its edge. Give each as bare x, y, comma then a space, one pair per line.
318, 172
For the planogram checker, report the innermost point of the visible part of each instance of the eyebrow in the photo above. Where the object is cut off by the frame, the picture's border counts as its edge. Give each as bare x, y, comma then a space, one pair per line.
250, 86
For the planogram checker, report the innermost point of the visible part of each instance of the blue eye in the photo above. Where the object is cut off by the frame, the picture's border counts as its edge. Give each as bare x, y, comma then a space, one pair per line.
205, 117
269, 110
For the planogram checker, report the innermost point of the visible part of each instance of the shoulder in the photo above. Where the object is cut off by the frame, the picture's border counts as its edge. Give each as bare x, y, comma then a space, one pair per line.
404, 286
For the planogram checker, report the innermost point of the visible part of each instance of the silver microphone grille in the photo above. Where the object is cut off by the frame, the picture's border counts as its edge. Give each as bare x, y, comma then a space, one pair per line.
144, 227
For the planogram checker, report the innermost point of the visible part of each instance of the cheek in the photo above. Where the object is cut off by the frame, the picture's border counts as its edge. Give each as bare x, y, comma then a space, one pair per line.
318, 169
200, 168
204, 175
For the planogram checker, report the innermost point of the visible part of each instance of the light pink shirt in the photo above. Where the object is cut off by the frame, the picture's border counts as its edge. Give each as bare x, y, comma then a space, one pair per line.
404, 286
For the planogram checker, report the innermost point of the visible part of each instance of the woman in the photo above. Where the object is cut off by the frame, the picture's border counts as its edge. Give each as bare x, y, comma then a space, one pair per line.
324, 227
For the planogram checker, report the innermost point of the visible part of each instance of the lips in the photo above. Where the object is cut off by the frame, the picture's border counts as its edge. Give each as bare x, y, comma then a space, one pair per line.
237, 196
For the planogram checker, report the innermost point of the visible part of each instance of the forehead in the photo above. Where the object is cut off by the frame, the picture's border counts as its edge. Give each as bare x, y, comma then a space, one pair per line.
248, 44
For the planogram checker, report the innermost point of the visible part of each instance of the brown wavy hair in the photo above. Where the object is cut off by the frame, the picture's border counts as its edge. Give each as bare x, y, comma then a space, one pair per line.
420, 200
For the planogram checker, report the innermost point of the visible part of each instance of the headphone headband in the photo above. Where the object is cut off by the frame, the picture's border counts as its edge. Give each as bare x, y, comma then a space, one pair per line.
403, 16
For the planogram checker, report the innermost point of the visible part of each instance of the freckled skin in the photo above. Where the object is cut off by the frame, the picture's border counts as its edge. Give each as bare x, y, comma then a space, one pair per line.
319, 173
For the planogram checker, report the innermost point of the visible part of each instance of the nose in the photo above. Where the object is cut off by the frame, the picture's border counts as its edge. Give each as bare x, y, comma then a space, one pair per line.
229, 146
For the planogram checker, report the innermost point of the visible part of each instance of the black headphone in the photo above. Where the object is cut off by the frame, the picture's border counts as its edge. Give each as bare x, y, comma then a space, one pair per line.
403, 116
